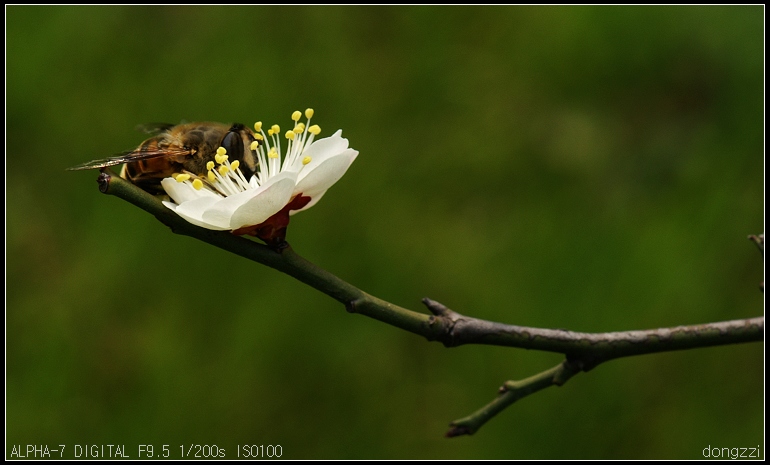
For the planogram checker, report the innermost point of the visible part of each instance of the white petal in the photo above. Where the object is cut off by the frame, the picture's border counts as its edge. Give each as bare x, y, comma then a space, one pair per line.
178, 191
221, 214
324, 148
170, 205
193, 210
181, 192
325, 174
275, 195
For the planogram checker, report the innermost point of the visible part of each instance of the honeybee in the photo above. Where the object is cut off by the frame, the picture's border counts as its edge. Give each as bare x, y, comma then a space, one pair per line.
177, 148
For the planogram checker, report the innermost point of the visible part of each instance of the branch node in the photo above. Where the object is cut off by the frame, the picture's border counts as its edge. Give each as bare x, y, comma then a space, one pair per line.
104, 182
350, 306
568, 369
280, 247
436, 308
576, 363
447, 320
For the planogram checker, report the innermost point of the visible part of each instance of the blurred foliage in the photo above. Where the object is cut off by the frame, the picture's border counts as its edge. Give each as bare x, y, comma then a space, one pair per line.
590, 168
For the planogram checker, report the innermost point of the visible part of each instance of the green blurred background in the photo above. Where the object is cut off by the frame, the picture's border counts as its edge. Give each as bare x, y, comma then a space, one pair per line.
589, 168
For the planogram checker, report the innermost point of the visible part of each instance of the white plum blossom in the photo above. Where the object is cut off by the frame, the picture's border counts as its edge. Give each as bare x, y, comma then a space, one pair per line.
226, 200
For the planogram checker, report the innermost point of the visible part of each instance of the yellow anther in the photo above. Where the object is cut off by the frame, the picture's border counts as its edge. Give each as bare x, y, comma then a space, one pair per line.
220, 158
309, 113
254, 145
210, 165
269, 132
272, 153
182, 177
299, 128
221, 151
307, 160
259, 137
276, 129
290, 135
197, 184
223, 170
234, 165
296, 115
258, 126
212, 177
314, 129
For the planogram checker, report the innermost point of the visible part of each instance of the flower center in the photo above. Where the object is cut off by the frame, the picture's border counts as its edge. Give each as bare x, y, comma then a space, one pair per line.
225, 178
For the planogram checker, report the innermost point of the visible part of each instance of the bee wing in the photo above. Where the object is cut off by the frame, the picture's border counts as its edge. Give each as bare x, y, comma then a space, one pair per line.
129, 157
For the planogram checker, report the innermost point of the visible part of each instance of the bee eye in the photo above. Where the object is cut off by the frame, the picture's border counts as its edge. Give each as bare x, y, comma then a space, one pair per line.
233, 143
237, 142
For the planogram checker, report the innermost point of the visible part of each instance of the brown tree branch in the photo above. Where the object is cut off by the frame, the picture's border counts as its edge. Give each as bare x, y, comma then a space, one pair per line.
583, 351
